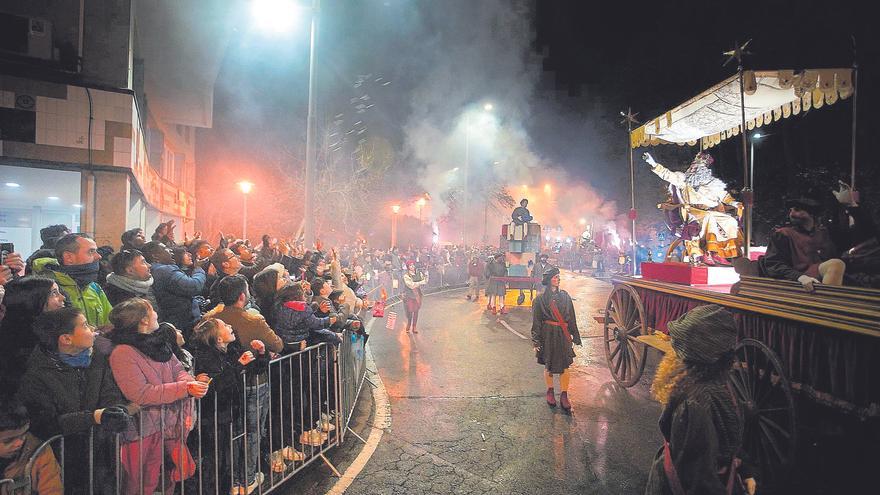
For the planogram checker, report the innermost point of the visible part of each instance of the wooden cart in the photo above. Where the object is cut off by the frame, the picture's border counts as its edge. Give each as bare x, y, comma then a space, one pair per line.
824, 345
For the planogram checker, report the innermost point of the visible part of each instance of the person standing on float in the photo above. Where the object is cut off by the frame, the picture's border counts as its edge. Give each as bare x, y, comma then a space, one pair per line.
554, 331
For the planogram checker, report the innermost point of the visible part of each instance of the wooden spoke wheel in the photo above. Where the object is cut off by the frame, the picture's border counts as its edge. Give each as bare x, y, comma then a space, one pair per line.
764, 395
625, 320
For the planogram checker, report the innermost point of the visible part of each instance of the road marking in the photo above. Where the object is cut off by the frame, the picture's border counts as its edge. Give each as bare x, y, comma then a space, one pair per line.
381, 421
508, 327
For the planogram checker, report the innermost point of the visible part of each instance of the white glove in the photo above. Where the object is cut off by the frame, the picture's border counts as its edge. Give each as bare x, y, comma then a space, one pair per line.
844, 195
808, 281
650, 159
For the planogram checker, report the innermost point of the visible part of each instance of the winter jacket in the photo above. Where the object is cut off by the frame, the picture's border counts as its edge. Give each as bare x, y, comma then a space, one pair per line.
91, 299
296, 322
248, 325
863, 264
226, 378
476, 268
62, 399
152, 385
45, 474
175, 292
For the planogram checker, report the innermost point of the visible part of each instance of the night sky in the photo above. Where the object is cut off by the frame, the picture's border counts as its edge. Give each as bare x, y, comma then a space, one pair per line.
567, 70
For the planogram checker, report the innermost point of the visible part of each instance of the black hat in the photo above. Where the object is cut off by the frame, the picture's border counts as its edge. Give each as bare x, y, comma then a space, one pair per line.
807, 204
704, 334
543, 256
548, 274
334, 295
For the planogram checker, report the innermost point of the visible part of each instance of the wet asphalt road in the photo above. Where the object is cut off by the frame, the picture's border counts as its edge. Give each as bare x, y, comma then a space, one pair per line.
468, 410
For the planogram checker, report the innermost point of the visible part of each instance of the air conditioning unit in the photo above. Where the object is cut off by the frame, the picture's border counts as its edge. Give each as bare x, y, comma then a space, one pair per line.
39, 39
26, 36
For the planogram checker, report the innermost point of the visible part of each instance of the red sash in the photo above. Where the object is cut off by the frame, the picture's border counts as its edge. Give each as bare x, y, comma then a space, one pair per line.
559, 321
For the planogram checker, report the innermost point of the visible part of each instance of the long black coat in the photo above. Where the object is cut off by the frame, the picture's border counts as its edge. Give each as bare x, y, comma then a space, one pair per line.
704, 433
555, 349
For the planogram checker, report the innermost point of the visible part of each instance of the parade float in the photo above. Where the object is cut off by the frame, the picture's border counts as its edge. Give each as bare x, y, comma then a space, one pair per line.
820, 346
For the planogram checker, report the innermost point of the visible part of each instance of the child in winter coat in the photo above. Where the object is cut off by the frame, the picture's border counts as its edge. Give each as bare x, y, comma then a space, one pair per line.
221, 361
149, 375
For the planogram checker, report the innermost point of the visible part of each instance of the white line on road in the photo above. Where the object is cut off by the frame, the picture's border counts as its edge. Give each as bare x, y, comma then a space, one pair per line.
381, 421
508, 327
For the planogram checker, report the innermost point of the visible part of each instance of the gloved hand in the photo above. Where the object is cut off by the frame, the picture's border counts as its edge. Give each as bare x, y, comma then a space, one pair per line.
115, 420
650, 159
845, 194
808, 281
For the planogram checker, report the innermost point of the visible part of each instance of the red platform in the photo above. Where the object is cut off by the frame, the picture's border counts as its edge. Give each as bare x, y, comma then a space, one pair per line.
684, 273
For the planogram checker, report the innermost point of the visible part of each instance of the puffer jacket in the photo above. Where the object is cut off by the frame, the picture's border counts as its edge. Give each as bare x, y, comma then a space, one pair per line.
61, 398
295, 321
160, 390
91, 299
175, 292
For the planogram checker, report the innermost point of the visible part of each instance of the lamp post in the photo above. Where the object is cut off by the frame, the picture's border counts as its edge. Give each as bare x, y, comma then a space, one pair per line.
420, 203
245, 187
487, 107
395, 209
278, 16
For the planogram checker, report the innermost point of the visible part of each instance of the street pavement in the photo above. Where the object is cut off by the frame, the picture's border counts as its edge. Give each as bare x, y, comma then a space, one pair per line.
468, 413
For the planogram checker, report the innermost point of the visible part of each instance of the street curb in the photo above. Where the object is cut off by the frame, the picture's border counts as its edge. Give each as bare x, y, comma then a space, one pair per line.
382, 404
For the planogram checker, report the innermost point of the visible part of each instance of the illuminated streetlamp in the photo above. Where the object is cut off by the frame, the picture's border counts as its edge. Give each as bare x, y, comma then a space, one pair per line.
395, 209
582, 221
487, 107
245, 187
547, 189
420, 203
280, 16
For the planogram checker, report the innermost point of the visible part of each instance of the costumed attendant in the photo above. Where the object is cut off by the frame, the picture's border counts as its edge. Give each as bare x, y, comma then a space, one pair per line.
496, 289
701, 423
413, 280
554, 330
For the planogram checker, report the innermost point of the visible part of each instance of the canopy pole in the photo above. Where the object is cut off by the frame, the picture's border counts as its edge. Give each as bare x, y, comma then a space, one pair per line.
748, 185
855, 77
630, 118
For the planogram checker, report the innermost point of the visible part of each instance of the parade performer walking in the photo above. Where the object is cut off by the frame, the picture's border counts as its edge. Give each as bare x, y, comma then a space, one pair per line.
413, 280
496, 289
554, 330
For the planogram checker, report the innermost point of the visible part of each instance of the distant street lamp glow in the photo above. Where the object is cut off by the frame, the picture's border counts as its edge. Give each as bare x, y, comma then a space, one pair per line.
395, 209
488, 107
421, 202
277, 16
245, 186
757, 135
13, 184
547, 188
455, 169
582, 221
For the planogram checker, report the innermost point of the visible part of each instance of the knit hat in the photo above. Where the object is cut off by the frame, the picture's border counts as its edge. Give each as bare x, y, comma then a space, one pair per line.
704, 334
549, 274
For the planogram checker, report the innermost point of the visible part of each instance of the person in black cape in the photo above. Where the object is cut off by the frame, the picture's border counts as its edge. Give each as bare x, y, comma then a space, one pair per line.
554, 331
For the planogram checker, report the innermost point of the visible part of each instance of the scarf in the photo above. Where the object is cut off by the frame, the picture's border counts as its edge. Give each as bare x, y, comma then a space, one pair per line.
141, 288
83, 274
80, 360
153, 345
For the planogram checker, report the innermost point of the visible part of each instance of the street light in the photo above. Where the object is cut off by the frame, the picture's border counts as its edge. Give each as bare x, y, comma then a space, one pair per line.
245, 187
420, 203
281, 16
395, 209
487, 107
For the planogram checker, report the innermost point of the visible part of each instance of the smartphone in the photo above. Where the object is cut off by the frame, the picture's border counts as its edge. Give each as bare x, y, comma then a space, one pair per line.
6, 248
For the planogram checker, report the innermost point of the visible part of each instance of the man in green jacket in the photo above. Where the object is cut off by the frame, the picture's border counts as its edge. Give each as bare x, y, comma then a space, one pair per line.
75, 270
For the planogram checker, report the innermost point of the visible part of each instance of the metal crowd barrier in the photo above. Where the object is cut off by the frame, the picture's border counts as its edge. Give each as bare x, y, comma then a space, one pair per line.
294, 415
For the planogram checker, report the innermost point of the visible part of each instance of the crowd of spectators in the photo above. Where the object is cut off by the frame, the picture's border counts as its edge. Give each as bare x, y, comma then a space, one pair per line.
103, 346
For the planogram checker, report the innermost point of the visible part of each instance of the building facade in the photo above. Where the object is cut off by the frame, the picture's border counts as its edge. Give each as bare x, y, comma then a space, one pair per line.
85, 137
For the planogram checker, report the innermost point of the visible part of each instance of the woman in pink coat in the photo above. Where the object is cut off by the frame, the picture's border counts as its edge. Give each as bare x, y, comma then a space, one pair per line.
149, 375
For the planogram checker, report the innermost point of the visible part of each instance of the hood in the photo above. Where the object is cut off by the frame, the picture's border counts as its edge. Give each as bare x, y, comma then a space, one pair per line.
42, 266
295, 305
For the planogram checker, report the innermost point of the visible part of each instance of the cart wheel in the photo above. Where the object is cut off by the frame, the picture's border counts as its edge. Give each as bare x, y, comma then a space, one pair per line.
764, 393
624, 320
